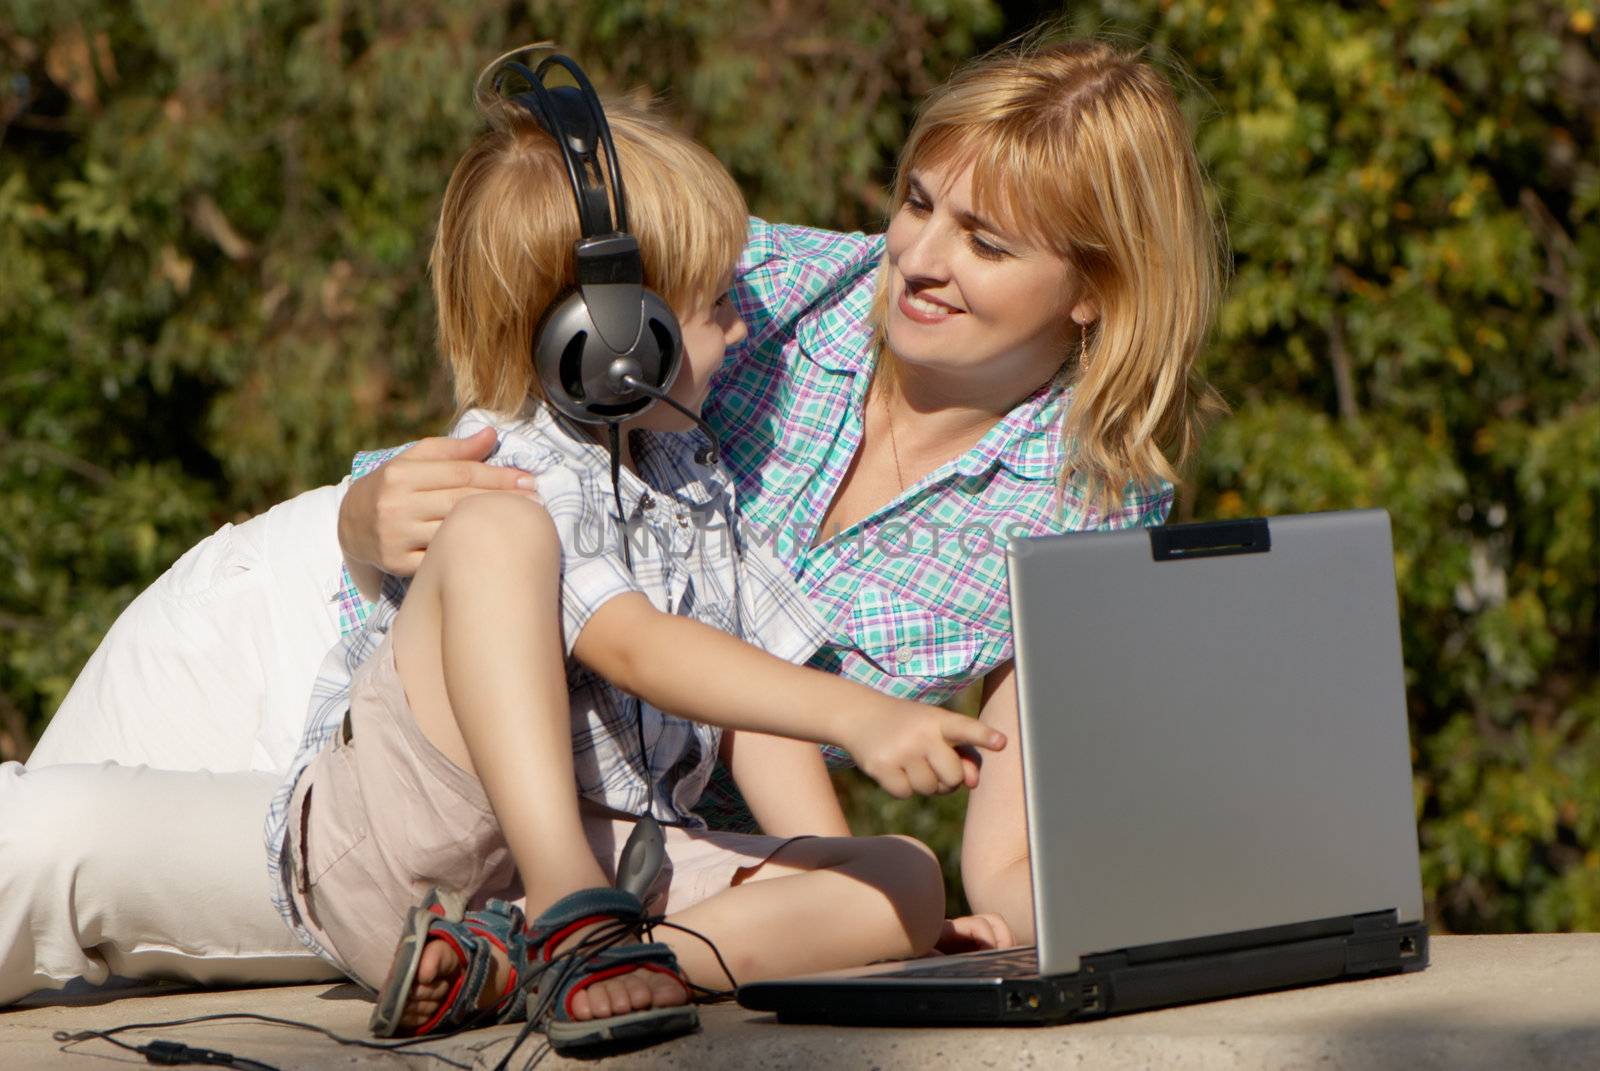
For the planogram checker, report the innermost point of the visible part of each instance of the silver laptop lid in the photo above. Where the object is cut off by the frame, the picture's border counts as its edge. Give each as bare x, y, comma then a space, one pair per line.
1212, 744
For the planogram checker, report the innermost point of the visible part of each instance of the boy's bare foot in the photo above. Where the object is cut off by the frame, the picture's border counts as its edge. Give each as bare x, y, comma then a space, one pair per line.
440, 965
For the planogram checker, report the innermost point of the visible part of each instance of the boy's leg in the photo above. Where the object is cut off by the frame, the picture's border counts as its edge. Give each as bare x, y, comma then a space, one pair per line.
202, 678
478, 648
816, 904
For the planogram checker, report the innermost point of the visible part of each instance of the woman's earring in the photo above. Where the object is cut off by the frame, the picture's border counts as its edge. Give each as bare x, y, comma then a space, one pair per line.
1083, 345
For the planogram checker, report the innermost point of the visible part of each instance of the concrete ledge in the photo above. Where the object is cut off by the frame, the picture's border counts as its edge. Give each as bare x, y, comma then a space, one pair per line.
1503, 1002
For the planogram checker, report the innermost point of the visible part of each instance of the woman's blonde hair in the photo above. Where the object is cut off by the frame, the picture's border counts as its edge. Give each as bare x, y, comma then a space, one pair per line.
503, 251
1084, 149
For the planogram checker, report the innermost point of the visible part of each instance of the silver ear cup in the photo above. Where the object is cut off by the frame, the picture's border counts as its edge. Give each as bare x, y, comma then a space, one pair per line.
574, 362
665, 339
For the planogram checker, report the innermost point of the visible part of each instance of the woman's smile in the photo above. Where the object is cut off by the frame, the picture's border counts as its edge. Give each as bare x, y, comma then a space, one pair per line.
924, 308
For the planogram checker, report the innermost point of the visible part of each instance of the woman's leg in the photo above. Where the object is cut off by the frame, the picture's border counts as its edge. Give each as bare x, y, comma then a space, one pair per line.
154, 872
818, 904
114, 870
478, 648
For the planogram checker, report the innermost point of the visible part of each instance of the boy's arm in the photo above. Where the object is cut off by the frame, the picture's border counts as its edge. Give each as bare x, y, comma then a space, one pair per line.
694, 671
785, 784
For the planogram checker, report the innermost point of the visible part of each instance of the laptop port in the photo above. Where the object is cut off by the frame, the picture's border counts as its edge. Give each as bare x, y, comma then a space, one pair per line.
1018, 1001
1408, 946
1091, 997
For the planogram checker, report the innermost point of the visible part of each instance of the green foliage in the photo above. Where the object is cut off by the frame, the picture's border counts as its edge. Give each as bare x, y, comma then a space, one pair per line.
214, 221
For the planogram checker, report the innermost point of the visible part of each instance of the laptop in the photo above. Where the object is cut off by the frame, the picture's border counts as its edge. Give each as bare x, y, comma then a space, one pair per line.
1217, 778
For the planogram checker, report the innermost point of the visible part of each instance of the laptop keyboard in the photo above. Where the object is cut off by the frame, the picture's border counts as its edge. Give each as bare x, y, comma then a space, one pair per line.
1009, 963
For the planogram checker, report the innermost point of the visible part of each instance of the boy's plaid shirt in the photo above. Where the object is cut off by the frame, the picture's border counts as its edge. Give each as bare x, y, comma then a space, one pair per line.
683, 560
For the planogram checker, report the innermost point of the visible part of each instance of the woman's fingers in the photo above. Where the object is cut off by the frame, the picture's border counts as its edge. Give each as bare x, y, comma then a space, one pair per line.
474, 447
414, 475
974, 933
451, 496
393, 512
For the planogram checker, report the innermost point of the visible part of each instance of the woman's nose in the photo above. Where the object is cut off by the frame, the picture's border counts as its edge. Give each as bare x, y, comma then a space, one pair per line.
926, 255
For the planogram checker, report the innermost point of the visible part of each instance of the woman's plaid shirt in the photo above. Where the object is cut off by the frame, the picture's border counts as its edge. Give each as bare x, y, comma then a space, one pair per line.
917, 591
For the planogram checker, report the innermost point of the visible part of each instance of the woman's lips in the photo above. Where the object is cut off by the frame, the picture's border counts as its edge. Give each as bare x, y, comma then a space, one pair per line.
923, 310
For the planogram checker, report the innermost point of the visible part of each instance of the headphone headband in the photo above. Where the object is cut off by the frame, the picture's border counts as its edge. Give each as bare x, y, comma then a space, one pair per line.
606, 351
575, 119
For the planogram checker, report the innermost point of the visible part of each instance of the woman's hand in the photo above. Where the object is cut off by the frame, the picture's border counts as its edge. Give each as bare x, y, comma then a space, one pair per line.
973, 933
389, 516
909, 747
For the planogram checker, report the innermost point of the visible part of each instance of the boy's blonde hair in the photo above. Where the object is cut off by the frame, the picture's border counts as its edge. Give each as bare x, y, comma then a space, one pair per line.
1083, 149
503, 251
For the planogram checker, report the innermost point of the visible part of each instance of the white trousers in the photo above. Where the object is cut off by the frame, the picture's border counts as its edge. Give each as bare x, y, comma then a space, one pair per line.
131, 844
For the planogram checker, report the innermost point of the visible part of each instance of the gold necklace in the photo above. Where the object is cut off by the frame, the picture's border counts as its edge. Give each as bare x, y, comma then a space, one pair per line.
894, 445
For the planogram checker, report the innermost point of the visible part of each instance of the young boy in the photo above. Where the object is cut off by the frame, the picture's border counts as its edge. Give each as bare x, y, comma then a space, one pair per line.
467, 755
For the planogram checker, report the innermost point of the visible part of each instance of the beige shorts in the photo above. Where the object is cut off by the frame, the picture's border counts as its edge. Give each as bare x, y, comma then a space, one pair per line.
381, 816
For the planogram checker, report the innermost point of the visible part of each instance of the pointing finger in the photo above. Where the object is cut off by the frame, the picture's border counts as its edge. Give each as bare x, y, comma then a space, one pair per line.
962, 730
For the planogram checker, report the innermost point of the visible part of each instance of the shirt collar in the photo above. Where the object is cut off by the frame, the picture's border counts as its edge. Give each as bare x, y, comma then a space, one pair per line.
837, 335
1027, 441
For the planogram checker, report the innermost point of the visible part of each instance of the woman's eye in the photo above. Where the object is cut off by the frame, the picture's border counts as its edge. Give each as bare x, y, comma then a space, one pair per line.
986, 250
917, 206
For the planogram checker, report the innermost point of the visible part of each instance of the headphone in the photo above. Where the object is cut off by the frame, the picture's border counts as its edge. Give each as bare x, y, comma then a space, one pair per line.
610, 348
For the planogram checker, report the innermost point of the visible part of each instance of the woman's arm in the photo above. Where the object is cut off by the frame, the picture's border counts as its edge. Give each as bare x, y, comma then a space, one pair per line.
785, 784
694, 671
994, 842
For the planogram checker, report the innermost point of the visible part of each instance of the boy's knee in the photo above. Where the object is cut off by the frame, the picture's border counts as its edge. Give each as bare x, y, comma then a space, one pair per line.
918, 884
497, 522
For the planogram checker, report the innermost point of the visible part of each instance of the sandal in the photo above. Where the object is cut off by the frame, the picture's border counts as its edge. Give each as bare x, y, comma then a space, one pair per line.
554, 978
472, 934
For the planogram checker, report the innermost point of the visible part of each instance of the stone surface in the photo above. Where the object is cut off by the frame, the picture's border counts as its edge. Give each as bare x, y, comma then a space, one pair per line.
1504, 1002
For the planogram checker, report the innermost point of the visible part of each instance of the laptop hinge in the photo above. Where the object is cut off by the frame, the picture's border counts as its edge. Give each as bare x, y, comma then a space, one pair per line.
1340, 926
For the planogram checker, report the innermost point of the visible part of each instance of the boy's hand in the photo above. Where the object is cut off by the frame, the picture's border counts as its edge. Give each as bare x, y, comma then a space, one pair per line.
911, 748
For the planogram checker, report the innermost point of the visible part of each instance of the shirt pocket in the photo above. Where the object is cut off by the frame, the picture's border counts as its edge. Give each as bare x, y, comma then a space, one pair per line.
720, 612
932, 652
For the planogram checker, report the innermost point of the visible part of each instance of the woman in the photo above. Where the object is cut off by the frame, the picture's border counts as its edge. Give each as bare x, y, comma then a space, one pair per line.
1015, 356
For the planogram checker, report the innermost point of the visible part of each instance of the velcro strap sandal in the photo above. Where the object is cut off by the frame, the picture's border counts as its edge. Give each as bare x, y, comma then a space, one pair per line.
473, 935
557, 975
